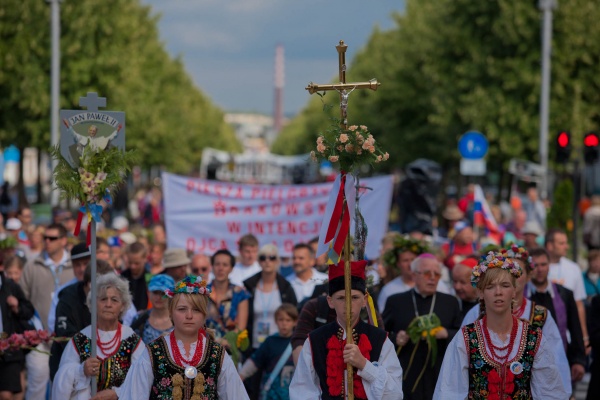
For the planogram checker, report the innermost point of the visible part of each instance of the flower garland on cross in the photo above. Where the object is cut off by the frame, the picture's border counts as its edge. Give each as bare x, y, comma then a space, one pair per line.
351, 147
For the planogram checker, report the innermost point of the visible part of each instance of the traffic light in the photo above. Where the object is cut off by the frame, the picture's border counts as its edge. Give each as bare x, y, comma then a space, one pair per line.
591, 143
563, 146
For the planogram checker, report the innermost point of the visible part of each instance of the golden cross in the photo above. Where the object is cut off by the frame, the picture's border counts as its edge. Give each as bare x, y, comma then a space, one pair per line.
343, 88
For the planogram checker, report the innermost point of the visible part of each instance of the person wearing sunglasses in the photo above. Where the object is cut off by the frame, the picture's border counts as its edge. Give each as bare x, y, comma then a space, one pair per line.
41, 278
201, 266
269, 290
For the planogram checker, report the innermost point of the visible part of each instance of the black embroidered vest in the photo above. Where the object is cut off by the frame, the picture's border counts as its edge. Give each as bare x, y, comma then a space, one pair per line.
518, 386
538, 315
318, 344
165, 369
113, 370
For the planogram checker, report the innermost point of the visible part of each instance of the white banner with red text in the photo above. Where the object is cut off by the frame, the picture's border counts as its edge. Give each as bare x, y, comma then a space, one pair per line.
204, 216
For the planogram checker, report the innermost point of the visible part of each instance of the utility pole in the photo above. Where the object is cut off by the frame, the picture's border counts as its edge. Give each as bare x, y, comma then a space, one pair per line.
54, 84
546, 6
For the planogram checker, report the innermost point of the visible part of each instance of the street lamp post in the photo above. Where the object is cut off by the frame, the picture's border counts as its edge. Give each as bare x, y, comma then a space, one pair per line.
546, 6
54, 83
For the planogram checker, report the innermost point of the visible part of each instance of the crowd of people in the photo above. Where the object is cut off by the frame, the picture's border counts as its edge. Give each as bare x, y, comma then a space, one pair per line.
445, 316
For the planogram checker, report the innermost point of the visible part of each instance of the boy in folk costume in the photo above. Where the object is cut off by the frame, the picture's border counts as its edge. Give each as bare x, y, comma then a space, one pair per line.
320, 373
186, 364
499, 356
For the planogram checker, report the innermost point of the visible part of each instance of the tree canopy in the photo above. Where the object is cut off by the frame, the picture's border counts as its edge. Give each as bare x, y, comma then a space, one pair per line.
113, 48
454, 65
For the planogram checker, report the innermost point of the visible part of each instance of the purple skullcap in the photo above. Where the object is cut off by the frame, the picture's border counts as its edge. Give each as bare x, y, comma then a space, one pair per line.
427, 255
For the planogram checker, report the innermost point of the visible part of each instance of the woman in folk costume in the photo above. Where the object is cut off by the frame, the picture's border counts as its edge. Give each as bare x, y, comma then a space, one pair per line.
187, 363
117, 346
499, 356
525, 309
322, 362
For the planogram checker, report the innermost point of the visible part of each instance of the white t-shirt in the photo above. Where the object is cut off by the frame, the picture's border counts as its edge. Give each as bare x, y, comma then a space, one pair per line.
264, 306
568, 274
242, 272
306, 289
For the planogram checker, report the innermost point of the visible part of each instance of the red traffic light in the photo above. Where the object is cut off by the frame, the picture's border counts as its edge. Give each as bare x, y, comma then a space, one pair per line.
591, 140
563, 139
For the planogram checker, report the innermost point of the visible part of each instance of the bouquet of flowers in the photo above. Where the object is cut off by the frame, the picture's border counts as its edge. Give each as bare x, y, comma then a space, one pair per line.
26, 340
350, 147
238, 342
424, 327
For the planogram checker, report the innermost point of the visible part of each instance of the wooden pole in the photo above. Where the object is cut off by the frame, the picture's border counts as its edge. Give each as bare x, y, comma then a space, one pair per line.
344, 89
93, 302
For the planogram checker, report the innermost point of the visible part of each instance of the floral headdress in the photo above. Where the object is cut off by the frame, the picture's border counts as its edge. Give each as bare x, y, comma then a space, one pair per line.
518, 253
189, 285
494, 260
402, 244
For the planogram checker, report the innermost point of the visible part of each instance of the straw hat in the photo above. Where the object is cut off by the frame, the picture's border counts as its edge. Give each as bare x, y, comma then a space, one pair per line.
175, 258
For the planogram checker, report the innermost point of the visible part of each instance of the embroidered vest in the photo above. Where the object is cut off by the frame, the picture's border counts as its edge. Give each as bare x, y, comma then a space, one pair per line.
165, 368
538, 315
318, 344
483, 371
113, 370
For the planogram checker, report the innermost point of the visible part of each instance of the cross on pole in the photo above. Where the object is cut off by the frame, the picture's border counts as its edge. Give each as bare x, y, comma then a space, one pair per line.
92, 101
344, 89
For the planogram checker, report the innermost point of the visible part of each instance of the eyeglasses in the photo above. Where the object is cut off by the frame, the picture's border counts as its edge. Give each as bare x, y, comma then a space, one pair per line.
201, 270
264, 258
52, 238
430, 274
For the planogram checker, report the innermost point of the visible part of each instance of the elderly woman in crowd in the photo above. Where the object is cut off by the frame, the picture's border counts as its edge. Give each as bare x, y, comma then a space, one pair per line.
187, 363
117, 347
228, 303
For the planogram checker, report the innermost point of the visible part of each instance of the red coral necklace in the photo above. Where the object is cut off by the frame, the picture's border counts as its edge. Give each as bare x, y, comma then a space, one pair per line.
179, 359
493, 348
519, 312
113, 343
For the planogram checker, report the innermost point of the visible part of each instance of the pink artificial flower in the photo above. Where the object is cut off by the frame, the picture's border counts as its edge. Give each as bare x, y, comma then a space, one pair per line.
363, 127
386, 156
333, 158
44, 335
349, 148
352, 128
343, 138
321, 148
320, 140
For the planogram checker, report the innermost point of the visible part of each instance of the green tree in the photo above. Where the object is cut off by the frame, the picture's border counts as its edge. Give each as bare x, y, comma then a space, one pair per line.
111, 47
453, 65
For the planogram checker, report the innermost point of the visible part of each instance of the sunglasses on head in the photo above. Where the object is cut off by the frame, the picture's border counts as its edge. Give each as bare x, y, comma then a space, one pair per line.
52, 238
264, 258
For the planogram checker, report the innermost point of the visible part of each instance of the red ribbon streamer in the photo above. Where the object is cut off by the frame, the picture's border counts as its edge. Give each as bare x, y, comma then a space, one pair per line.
78, 225
340, 217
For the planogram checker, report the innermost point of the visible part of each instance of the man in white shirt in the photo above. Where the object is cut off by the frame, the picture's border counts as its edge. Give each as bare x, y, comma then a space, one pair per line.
305, 276
247, 265
567, 273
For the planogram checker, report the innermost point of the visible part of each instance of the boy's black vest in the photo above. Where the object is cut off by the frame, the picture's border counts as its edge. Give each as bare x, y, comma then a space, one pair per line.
318, 345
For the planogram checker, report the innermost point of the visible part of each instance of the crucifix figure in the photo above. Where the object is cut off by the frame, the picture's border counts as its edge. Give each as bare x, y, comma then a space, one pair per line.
344, 89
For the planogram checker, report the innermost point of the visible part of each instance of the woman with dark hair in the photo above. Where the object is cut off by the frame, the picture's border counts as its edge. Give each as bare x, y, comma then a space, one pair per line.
499, 356
228, 303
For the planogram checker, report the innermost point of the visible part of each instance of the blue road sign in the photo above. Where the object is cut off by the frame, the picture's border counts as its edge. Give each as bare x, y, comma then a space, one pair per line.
473, 145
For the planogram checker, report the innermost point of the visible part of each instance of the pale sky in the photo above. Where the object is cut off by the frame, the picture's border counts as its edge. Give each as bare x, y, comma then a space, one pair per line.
228, 46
